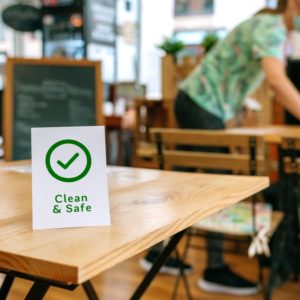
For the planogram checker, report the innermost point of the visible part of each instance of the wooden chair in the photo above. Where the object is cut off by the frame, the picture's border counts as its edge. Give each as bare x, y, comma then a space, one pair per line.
149, 113
173, 72
159, 113
244, 155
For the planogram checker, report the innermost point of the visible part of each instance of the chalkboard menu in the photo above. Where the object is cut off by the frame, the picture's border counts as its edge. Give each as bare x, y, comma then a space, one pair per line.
101, 22
48, 93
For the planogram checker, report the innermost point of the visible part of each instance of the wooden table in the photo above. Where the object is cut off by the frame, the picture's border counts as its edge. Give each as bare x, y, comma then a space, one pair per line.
147, 206
272, 134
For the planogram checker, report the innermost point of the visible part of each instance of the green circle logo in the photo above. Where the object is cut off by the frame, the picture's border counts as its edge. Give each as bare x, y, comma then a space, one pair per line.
65, 165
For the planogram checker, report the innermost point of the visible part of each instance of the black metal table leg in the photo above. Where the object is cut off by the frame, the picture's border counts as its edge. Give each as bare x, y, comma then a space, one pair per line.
277, 260
90, 291
182, 275
6, 285
157, 265
37, 291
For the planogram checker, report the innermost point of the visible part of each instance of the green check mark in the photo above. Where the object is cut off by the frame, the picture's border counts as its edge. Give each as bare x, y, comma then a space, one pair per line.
69, 162
85, 168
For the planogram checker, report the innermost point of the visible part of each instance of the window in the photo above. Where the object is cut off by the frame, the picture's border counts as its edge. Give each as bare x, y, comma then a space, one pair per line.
271, 3
193, 7
195, 37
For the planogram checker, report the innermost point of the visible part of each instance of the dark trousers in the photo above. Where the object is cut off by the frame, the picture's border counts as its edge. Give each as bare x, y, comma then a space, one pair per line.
189, 115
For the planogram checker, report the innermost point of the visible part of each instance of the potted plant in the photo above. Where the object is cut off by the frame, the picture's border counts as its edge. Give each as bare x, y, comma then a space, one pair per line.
171, 46
209, 41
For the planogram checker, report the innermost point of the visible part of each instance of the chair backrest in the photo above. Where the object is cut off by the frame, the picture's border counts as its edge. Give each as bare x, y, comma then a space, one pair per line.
243, 156
173, 72
290, 156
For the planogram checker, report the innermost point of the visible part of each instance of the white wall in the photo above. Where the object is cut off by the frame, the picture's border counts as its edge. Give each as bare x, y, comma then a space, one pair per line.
157, 23
228, 13
126, 41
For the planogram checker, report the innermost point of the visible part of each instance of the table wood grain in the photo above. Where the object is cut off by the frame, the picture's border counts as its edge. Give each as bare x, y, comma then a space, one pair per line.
147, 206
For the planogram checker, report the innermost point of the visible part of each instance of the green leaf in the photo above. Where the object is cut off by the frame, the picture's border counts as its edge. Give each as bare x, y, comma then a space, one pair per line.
171, 46
209, 41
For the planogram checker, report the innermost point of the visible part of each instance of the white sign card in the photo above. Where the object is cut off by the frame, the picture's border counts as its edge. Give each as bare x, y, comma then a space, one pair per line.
69, 179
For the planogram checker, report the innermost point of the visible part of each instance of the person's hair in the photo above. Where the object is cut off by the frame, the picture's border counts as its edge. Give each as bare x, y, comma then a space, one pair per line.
280, 8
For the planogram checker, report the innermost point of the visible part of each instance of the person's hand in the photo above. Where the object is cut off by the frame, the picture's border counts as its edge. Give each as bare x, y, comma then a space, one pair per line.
232, 123
250, 117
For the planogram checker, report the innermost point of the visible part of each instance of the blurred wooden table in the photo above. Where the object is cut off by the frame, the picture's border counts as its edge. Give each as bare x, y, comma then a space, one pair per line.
147, 206
272, 134
113, 122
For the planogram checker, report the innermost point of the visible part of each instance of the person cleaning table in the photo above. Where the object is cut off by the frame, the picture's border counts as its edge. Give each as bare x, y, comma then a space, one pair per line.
215, 92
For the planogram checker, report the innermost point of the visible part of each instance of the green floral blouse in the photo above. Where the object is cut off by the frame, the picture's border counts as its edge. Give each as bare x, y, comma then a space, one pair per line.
232, 69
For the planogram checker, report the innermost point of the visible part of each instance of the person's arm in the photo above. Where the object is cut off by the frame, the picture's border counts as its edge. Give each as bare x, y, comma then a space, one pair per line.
286, 94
